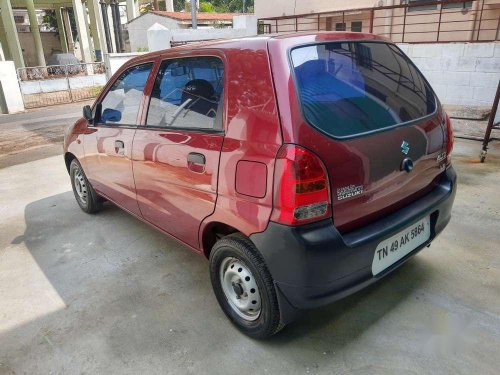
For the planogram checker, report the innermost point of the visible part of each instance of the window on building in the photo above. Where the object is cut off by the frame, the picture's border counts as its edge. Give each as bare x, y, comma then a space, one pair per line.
187, 93
19, 19
121, 104
464, 5
340, 26
414, 8
356, 26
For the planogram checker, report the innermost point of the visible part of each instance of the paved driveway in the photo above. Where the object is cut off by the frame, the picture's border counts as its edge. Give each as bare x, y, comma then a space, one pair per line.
35, 134
109, 294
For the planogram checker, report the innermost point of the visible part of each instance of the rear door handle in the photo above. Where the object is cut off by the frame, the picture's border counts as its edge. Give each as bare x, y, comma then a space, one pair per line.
196, 162
119, 147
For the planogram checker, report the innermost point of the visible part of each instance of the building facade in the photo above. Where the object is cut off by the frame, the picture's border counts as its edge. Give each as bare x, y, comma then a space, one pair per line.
138, 27
411, 21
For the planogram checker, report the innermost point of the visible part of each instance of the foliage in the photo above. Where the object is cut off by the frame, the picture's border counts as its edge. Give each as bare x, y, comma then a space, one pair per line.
179, 5
219, 25
50, 18
206, 7
232, 6
219, 6
145, 8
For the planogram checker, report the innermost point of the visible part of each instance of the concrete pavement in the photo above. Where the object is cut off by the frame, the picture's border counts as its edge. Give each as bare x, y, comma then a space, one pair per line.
109, 294
35, 134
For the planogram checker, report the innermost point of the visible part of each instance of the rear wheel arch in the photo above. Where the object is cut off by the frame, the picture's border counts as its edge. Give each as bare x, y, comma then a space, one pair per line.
212, 232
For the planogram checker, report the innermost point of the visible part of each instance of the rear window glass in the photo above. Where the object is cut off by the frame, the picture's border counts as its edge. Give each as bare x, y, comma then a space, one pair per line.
350, 88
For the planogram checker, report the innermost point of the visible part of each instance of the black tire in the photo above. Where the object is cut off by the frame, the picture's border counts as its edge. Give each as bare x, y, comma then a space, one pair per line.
240, 247
89, 202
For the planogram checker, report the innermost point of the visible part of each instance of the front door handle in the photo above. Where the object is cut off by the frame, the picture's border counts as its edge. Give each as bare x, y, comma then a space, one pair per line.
119, 147
196, 162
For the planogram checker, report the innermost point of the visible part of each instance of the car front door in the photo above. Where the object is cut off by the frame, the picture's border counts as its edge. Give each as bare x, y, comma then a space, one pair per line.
108, 146
176, 152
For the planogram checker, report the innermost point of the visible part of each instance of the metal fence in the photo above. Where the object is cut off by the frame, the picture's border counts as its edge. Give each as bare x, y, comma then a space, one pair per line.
58, 84
416, 22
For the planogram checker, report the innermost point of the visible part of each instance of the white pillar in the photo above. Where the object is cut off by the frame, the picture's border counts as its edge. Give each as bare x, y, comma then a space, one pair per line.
35, 31
111, 29
169, 5
69, 32
9, 25
83, 35
10, 93
4, 47
132, 9
61, 31
87, 27
97, 27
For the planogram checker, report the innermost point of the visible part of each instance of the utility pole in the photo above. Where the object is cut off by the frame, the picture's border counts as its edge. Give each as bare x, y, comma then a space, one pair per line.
194, 23
244, 6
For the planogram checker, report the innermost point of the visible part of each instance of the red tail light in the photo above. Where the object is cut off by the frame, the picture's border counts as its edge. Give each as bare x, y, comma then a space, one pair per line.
449, 139
301, 189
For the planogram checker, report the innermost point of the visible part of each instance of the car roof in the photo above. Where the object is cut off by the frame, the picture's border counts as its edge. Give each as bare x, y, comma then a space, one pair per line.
260, 41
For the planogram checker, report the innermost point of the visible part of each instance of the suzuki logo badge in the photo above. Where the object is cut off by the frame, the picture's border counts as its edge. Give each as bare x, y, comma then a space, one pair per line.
405, 147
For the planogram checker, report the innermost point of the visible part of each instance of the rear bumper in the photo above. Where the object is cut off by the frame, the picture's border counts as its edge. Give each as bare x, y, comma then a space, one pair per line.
313, 265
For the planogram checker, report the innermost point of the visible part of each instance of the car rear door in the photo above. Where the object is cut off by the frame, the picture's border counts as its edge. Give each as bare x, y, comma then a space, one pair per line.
366, 110
176, 151
108, 146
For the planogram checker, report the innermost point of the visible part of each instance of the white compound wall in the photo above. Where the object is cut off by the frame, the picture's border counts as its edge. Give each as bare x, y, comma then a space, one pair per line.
460, 73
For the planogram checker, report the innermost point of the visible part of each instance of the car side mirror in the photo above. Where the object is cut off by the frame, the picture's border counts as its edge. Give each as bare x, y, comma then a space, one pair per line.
87, 113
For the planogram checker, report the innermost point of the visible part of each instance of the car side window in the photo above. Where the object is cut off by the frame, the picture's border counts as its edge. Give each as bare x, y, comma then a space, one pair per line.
188, 94
121, 104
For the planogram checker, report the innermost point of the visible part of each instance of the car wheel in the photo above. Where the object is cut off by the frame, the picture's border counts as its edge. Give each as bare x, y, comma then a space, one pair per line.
244, 287
85, 195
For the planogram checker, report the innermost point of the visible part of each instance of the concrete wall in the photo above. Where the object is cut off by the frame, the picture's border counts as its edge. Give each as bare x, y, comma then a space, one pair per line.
114, 61
460, 73
276, 8
50, 42
137, 29
61, 84
326, 22
159, 37
11, 100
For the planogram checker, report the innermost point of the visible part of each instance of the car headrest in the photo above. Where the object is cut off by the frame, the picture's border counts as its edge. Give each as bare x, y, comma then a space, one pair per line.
199, 87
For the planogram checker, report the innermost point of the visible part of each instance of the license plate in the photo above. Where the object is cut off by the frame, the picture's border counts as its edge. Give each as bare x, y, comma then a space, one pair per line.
396, 247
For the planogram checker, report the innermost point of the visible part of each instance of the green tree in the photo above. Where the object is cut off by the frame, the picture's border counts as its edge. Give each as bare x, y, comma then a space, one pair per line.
233, 6
179, 5
50, 18
219, 6
206, 7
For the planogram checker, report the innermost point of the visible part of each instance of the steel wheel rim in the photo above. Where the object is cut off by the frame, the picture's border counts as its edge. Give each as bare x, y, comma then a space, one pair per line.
240, 288
80, 186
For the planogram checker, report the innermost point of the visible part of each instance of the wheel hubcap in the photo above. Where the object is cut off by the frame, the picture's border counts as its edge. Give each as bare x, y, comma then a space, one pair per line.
240, 288
80, 186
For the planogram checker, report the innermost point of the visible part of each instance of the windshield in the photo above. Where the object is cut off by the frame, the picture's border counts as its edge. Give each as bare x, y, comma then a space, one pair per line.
350, 88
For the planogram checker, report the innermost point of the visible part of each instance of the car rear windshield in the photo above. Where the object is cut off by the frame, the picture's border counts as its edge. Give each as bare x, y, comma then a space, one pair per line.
351, 88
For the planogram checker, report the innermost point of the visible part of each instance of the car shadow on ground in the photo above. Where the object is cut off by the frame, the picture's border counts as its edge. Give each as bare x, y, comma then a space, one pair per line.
130, 291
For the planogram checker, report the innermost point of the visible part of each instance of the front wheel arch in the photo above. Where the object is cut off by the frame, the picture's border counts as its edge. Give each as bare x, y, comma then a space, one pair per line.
68, 158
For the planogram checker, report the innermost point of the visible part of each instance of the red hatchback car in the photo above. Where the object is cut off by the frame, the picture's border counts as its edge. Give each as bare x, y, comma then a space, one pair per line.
304, 166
